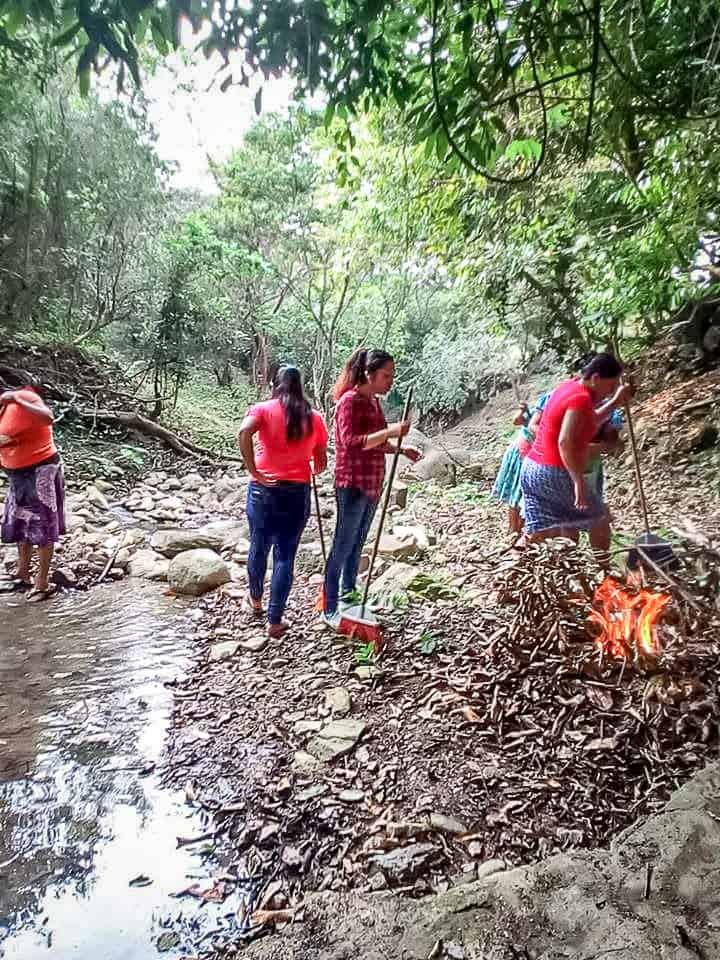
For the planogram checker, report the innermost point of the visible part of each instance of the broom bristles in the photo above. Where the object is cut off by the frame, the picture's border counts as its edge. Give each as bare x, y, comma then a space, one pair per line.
362, 632
320, 602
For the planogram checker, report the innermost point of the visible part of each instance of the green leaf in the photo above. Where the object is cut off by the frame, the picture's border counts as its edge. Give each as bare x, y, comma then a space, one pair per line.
527, 149
159, 37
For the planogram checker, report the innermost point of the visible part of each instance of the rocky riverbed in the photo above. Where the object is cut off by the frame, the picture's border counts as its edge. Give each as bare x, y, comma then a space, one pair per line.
487, 734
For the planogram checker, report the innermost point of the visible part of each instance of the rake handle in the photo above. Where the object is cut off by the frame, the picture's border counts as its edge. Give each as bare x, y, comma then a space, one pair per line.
636, 463
386, 502
319, 519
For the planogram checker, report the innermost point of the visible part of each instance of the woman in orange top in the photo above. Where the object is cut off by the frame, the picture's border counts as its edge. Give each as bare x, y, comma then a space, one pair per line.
35, 506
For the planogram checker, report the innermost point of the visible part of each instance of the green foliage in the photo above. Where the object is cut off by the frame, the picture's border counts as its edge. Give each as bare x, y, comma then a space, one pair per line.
365, 654
428, 643
211, 414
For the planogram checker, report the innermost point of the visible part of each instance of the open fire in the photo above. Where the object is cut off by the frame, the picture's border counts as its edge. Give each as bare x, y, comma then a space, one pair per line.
627, 619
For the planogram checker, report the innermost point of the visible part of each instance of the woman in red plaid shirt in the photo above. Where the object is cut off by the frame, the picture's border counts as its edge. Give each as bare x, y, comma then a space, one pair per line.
361, 443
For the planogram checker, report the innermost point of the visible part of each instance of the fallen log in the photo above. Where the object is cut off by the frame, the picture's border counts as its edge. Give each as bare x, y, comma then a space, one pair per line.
135, 421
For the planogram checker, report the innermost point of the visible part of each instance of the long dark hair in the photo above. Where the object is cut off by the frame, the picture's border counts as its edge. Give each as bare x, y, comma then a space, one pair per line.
604, 365
288, 389
355, 371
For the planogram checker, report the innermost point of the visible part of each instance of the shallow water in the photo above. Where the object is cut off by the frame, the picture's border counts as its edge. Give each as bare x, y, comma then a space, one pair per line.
83, 714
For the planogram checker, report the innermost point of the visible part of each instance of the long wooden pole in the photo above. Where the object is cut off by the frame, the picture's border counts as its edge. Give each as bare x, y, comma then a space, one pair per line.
386, 503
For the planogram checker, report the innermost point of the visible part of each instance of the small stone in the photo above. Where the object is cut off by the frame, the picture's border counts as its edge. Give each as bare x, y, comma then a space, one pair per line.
255, 645
168, 941
64, 577
97, 498
291, 857
336, 738
307, 726
404, 863
351, 796
366, 672
378, 882
337, 701
223, 651
284, 787
454, 951
443, 824
311, 793
305, 763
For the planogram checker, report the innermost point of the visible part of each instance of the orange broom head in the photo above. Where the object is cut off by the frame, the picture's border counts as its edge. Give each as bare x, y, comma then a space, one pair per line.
320, 602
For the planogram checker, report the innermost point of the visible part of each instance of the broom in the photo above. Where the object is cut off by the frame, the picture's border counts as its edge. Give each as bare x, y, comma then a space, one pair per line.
357, 621
320, 602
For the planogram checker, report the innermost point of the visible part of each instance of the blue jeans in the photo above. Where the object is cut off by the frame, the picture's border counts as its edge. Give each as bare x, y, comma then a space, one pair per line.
277, 517
355, 512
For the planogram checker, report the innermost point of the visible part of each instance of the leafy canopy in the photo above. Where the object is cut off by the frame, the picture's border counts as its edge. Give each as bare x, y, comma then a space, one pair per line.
482, 82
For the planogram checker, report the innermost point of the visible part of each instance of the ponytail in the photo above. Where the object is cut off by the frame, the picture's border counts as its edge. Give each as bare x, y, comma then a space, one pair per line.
354, 373
288, 389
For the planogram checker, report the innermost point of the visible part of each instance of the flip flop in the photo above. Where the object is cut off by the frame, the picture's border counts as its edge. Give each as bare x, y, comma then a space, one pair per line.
249, 607
37, 596
14, 586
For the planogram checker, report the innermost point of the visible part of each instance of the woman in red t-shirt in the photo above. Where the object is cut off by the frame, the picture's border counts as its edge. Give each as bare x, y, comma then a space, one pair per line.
34, 513
290, 434
557, 499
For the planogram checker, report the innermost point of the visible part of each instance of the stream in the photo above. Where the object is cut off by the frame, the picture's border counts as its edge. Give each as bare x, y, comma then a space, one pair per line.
83, 714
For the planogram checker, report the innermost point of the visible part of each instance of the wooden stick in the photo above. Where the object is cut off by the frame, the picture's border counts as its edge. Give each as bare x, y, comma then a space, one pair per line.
386, 502
636, 463
319, 520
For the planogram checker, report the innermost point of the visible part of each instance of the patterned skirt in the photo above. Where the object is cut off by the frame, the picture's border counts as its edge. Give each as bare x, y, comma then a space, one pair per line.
507, 483
549, 499
35, 505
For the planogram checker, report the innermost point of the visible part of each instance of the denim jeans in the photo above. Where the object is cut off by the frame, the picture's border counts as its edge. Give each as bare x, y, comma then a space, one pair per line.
355, 512
277, 517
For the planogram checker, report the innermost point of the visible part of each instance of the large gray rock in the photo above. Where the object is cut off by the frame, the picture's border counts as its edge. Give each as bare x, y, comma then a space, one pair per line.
405, 863
213, 536
196, 571
148, 565
396, 579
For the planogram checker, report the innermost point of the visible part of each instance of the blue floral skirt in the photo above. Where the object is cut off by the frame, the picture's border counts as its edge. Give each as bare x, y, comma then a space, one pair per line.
549, 500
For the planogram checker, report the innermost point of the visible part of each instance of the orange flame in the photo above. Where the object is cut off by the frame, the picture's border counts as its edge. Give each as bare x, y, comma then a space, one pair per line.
627, 620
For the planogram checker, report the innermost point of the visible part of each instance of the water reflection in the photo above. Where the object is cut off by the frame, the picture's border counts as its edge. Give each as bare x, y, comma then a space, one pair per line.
83, 712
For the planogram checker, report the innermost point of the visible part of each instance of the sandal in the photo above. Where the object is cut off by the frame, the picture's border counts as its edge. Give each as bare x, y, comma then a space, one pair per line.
37, 596
248, 605
277, 630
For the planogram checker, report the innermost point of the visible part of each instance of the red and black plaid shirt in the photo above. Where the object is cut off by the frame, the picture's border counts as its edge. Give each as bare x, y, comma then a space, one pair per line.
356, 417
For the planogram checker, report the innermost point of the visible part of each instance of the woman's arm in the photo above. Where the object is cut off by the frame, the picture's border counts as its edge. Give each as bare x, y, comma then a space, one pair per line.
368, 441
572, 453
535, 421
36, 407
624, 392
248, 428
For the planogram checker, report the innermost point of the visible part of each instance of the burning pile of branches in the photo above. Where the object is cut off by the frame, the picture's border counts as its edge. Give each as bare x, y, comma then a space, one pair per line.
601, 697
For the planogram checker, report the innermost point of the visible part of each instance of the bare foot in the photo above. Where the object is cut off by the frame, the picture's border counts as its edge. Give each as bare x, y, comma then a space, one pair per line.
277, 630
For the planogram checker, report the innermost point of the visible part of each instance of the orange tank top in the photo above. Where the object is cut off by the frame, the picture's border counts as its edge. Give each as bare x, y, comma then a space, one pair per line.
32, 438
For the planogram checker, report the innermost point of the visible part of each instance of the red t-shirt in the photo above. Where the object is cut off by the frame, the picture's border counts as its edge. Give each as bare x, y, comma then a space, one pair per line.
570, 395
357, 416
280, 458
32, 437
